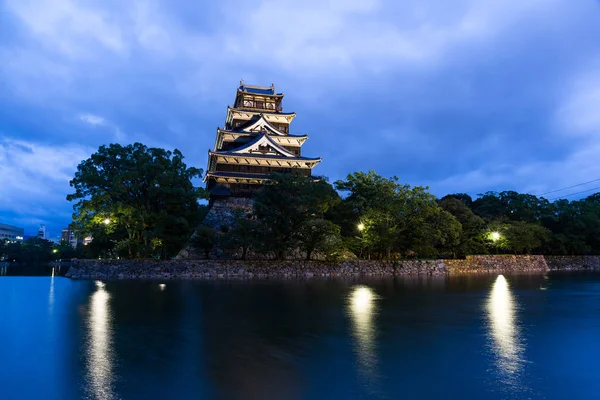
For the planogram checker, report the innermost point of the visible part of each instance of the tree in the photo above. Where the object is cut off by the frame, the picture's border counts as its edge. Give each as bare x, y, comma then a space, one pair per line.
284, 205
243, 234
139, 197
513, 206
524, 237
440, 235
373, 204
204, 239
33, 250
465, 198
396, 218
319, 235
64, 250
472, 226
495, 237
369, 191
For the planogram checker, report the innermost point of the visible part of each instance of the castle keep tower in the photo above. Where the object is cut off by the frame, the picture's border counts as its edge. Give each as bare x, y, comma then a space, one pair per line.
254, 143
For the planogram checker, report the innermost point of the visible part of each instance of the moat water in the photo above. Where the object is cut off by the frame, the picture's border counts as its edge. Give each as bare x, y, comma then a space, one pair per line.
468, 337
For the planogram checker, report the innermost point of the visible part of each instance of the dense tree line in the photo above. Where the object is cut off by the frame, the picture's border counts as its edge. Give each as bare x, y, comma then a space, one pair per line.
380, 218
37, 250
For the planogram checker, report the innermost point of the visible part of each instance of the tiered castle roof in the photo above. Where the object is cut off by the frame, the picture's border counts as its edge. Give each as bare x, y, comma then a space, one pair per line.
254, 143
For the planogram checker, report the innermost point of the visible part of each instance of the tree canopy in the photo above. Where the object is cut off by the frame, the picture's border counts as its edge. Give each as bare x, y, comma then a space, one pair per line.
286, 206
381, 218
136, 201
395, 219
37, 250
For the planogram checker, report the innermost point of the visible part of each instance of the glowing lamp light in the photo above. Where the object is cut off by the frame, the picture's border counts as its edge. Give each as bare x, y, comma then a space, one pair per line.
106, 221
55, 251
361, 226
162, 287
495, 236
361, 300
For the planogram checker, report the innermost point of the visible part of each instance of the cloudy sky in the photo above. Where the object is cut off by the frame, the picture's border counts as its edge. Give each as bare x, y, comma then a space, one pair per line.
462, 95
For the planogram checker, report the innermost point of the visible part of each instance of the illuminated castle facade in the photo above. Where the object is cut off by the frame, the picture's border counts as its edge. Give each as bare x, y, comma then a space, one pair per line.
254, 143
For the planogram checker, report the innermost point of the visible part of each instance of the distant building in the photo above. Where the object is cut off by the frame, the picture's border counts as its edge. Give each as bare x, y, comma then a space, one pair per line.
42, 232
11, 233
68, 235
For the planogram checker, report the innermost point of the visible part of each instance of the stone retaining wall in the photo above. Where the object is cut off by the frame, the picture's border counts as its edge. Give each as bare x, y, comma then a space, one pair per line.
218, 269
497, 263
573, 263
220, 216
215, 269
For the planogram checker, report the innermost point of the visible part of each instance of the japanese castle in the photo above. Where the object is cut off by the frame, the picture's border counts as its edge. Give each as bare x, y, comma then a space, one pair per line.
254, 143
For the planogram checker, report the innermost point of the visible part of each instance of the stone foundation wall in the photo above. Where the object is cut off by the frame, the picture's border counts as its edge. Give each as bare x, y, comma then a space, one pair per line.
220, 269
573, 263
215, 269
222, 211
497, 263
221, 215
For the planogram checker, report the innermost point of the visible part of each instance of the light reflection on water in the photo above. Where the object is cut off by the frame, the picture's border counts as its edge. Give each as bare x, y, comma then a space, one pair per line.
475, 337
51, 294
362, 309
100, 352
507, 344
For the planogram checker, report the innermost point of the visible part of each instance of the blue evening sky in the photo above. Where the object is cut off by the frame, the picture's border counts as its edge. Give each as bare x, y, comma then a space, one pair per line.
461, 95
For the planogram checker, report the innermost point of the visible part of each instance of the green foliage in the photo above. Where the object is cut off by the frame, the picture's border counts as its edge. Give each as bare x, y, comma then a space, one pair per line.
285, 205
511, 206
472, 226
463, 197
65, 251
575, 226
322, 236
243, 235
495, 237
524, 237
33, 250
204, 239
396, 219
135, 200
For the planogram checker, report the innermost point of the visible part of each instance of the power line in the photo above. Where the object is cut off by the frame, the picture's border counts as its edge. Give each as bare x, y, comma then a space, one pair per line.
573, 194
570, 187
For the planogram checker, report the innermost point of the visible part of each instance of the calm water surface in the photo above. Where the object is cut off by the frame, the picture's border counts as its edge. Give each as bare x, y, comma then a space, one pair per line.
485, 337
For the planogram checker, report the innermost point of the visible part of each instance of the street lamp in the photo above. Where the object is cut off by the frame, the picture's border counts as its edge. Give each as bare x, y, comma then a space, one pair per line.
106, 221
495, 236
55, 251
361, 226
